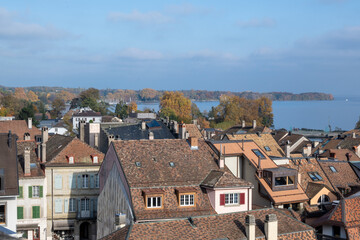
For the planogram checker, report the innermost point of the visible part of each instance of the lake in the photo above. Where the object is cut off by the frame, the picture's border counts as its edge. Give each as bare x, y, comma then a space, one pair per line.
343, 112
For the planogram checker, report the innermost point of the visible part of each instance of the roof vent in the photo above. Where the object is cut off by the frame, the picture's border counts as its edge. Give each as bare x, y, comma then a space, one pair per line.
172, 164
191, 221
138, 164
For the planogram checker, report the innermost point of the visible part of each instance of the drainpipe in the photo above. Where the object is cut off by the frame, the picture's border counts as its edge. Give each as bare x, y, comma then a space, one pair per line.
52, 200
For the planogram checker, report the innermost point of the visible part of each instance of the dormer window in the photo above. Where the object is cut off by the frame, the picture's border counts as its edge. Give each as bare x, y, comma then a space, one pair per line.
286, 180
153, 198
71, 159
95, 159
186, 196
187, 199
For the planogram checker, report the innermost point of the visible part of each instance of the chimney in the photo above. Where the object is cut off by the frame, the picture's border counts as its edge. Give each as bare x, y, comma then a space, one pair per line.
194, 144
348, 156
151, 136
353, 135
195, 122
110, 139
308, 149
243, 124
82, 130
9, 139
259, 162
182, 131
221, 158
43, 152
357, 150
45, 134
38, 151
254, 124
315, 144
143, 125
27, 161
250, 227
167, 121
287, 150
96, 140
27, 136
271, 227
30, 123
176, 127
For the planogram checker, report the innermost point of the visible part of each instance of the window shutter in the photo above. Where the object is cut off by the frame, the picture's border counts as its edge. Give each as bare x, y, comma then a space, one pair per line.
58, 205
20, 212
70, 181
30, 191
79, 181
91, 208
20, 192
35, 212
58, 182
66, 205
222, 199
41, 191
242, 198
79, 205
92, 181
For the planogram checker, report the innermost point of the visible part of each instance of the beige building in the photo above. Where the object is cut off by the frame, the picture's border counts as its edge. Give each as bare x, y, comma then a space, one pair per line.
71, 168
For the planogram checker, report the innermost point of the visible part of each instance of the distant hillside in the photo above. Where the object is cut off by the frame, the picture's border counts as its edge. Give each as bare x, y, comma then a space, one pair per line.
151, 95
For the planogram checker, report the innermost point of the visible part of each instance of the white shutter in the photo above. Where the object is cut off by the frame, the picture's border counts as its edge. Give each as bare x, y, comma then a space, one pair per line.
66, 205
58, 205
58, 182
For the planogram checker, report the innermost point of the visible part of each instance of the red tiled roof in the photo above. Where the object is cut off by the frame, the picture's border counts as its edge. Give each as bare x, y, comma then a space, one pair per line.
19, 127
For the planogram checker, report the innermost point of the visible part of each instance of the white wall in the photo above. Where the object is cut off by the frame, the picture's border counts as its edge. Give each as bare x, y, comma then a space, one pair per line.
327, 230
77, 119
60, 131
10, 211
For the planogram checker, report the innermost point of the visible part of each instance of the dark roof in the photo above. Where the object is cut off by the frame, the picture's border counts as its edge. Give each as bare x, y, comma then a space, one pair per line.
279, 134
349, 143
223, 179
35, 168
8, 164
314, 188
87, 114
134, 131
220, 226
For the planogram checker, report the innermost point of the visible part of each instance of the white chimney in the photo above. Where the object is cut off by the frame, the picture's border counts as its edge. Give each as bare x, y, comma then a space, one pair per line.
287, 150
29, 123
143, 125
271, 227
250, 227
182, 131
27, 161
221, 158
357, 150
27, 136
309, 149
194, 143
45, 134
151, 136
38, 151
176, 127
353, 135
43, 152
254, 124
243, 124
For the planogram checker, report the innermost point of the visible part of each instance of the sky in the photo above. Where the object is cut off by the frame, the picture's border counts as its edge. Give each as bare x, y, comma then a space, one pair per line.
260, 45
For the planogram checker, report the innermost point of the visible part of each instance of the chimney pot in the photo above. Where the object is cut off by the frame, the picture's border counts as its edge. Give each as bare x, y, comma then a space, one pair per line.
254, 124
27, 161
29, 123
271, 227
243, 124
45, 134
250, 227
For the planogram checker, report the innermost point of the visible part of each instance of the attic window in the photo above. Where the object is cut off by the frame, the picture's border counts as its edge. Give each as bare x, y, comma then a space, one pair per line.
71, 159
267, 148
95, 159
333, 169
258, 153
172, 164
138, 164
315, 176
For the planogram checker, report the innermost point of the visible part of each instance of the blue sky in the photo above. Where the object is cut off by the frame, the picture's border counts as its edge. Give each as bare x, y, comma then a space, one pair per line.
296, 46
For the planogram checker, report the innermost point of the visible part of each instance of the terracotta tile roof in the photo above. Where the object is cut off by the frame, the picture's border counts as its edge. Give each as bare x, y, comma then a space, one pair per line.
35, 168
331, 144
235, 148
313, 189
221, 226
8, 162
349, 143
341, 154
262, 140
164, 162
19, 127
60, 147
285, 196
223, 179
193, 131
344, 177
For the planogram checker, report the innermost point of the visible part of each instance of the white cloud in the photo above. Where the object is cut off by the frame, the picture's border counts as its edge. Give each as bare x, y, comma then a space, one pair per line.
210, 55
186, 9
139, 54
139, 17
257, 23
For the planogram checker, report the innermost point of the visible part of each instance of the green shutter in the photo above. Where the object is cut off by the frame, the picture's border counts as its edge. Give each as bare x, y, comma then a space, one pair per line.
41, 191
30, 192
36, 211
20, 192
20, 212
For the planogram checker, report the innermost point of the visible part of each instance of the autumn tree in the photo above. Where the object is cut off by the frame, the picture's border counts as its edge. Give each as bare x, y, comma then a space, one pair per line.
65, 95
32, 97
12, 104
148, 94
265, 111
174, 104
132, 107
58, 105
28, 112
19, 93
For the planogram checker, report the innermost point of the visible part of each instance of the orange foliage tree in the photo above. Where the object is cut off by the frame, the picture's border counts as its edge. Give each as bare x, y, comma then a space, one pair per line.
176, 106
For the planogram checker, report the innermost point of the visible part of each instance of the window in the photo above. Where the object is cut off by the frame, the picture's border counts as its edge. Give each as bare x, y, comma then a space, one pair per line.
315, 176
58, 205
20, 212
58, 182
21, 195
71, 160
267, 148
154, 202
333, 169
85, 179
72, 205
187, 200
85, 204
36, 191
96, 180
258, 153
232, 199
336, 231
95, 159
36, 212
323, 200
286, 180
2, 214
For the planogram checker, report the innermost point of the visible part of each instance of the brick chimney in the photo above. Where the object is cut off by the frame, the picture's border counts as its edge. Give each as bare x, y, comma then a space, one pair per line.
27, 161
243, 123
143, 125
43, 152
250, 227
45, 134
287, 150
82, 130
194, 143
30, 123
254, 124
151, 136
271, 227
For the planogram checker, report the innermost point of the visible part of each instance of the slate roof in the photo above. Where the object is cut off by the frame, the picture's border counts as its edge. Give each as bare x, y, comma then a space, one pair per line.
224, 179
262, 140
344, 177
8, 162
35, 168
313, 189
19, 127
134, 131
59, 147
87, 114
220, 226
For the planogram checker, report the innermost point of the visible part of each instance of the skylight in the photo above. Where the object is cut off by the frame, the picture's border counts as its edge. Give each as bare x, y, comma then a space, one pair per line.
267, 148
172, 164
258, 153
138, 164
315, 176
333, 169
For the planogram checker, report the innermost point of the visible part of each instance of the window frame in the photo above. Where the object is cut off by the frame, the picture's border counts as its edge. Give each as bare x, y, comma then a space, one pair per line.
72, 204
85, 181
227, 198
37, 191
97, 181
187, 195
147, 197
86, 204
258, 153
333, 169
286, 180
